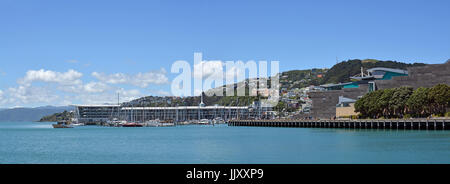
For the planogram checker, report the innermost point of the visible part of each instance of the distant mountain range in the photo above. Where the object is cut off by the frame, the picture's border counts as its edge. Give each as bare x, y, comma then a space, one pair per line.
30, 114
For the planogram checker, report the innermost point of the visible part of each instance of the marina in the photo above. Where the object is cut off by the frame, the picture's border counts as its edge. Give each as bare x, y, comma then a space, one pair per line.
95, 114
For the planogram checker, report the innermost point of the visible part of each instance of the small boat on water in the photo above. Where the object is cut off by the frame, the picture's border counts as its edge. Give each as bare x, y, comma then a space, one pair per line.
115, 122
218, 121
132, 125
167, 123
62, 124
153, 123
77, 124
159, 123
204, 122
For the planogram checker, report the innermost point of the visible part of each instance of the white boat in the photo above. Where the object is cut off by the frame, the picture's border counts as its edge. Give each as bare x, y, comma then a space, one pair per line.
132, 124
204, 122
184, 123
152, 123
218, 121
116, 122
62, 124
158, 123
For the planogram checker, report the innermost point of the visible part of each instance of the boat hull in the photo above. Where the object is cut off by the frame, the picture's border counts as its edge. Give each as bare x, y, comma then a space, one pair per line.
132, 125
61, 126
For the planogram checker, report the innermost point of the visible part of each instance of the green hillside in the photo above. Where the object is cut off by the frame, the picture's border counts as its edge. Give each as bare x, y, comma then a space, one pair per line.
57, 117
343, 70
301, 78
288, 80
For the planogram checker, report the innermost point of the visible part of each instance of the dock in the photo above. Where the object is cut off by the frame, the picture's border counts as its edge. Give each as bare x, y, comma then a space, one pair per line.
410, 124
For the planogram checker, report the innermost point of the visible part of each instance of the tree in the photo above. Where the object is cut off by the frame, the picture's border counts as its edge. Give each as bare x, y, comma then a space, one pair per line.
63, 116
383, 102
367, 105
280, 106
373, 104
398, 101
360, 106
439, 96
418, 103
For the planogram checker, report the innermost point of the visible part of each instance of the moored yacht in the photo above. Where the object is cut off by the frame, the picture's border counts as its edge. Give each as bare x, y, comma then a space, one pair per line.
204, 122
132, 124
62, 124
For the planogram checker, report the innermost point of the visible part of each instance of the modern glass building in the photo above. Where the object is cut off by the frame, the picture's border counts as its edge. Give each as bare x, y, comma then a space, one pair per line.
373, 74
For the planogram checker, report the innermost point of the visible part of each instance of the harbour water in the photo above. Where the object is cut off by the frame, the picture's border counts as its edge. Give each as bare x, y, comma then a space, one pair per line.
31, 142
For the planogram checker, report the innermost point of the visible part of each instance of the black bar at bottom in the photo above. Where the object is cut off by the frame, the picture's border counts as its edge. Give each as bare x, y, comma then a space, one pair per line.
191, 174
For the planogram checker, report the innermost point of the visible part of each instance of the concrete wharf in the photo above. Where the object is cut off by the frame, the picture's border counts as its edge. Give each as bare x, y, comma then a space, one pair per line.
411, 124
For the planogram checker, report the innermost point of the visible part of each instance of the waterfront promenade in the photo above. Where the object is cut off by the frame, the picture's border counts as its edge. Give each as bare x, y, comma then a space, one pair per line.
411, 124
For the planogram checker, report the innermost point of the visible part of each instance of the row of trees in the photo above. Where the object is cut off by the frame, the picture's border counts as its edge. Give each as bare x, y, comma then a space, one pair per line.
404, 102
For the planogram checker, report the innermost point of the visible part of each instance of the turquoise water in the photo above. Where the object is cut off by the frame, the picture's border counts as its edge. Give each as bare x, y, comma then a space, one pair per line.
27, 142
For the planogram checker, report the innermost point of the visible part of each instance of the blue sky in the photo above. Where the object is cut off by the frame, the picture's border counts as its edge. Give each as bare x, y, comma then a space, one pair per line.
123, 38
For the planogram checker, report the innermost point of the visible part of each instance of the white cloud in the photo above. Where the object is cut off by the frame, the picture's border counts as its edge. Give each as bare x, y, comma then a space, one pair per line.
68, 81
1, 97
71, 77
142, 80
91, 98
77, 88
129, 94
31, 94
117, 78
109, 98
96, 87
208, 69
63, 88
216, 70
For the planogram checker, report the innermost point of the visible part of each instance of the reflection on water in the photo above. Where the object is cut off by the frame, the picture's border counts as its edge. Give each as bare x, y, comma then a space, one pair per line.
24, 125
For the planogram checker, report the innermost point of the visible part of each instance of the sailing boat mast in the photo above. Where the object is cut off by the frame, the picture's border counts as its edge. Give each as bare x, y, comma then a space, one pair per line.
118, 105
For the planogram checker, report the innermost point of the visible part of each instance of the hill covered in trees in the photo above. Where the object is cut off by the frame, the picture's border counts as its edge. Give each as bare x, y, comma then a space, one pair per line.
288, 80
156, 101
66, 115
338, 73
302, 78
